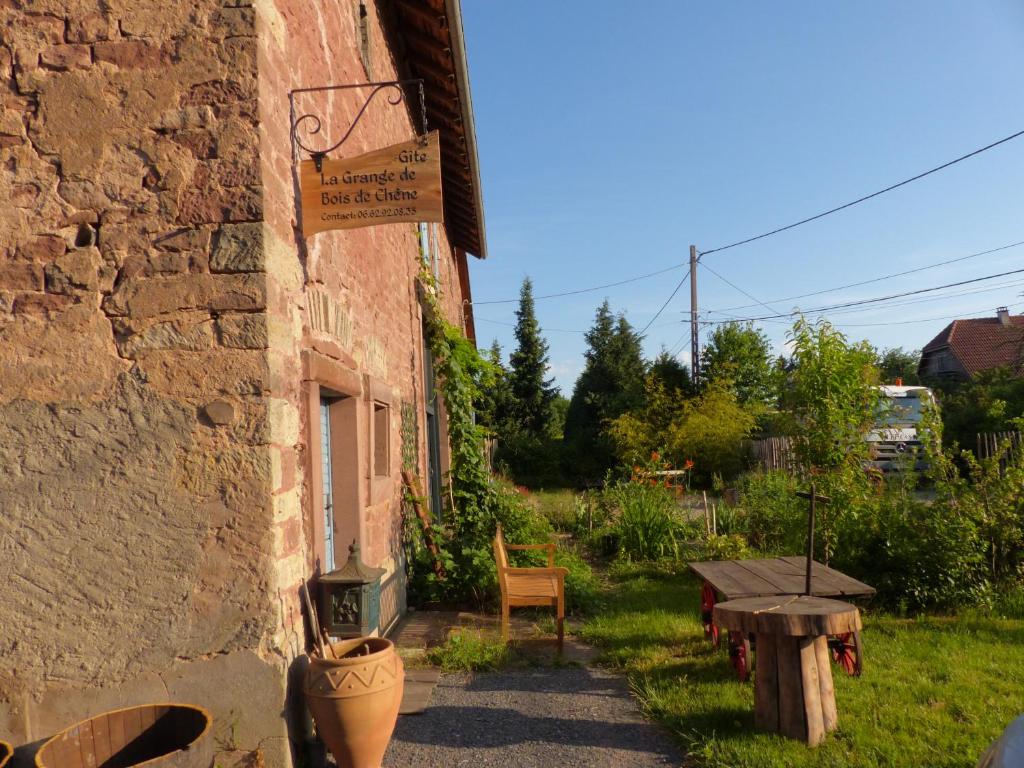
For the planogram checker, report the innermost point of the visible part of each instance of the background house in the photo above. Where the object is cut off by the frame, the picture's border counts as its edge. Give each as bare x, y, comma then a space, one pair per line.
198, 408
966, 347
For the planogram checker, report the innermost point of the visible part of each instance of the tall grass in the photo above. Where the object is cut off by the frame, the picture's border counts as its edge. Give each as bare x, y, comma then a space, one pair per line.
648, 524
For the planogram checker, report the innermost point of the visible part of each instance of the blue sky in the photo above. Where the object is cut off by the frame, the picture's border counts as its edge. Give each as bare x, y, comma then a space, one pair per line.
614, 135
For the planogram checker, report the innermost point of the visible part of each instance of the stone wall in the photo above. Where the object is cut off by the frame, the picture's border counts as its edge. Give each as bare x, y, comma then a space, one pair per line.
136, 530
345, 297
159, 312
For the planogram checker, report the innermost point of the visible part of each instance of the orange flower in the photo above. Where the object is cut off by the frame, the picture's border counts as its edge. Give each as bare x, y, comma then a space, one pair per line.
688, 465
655, 456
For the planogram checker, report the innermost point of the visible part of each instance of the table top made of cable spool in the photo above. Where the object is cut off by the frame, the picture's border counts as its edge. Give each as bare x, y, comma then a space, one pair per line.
788, 615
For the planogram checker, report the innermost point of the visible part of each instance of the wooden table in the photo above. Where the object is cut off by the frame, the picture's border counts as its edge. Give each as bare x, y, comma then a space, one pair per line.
772, 577
793, 692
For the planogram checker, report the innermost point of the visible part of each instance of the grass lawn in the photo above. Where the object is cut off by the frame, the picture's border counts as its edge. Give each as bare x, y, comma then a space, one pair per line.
934, 693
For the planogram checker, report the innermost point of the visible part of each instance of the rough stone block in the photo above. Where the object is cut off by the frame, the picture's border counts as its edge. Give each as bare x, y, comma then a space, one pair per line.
220, 412
238, 248
248, 331
16, 276
149, 297
201, 143
131, 54
211, 204
65, 57
75, 269
188, 117
90, 27
41, 305
183, 334
24, 195
183, 240
217, 93
234, 22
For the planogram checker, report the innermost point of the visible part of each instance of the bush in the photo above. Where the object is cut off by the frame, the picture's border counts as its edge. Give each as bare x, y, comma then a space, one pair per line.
774, 517
647, 525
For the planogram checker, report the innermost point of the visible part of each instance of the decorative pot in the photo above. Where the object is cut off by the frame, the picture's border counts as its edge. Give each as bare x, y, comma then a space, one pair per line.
154, 735
6, 750
354, 699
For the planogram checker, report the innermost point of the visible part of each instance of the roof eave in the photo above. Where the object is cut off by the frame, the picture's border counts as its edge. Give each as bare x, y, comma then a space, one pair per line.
453, 8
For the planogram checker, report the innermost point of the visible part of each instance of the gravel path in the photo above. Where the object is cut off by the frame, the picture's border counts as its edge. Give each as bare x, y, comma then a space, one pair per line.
562, 717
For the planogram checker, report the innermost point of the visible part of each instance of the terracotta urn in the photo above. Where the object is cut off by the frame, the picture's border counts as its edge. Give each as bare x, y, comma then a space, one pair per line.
354, 695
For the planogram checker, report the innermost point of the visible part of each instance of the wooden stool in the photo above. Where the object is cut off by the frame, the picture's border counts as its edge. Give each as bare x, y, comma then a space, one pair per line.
793, 692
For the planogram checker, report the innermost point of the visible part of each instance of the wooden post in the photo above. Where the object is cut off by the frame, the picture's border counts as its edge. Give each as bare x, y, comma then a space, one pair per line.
810, 540
694, 337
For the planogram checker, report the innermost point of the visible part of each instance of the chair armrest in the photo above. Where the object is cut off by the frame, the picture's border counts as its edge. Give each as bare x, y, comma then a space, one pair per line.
559, 572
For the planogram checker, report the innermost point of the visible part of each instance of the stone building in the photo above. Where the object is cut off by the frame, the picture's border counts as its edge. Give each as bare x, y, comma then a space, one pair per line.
191, 393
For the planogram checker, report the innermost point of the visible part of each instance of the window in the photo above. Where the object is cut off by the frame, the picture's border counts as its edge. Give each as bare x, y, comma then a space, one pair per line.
327, 482
433, 431
381, 439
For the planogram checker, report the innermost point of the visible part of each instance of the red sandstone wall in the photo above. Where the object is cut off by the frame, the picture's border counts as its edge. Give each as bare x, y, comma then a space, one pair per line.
366, 277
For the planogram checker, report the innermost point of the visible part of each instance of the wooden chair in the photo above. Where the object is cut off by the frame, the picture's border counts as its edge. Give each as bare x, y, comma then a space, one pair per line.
529, 586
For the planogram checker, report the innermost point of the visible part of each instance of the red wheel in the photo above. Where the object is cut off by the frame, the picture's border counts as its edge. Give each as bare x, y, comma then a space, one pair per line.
707, 606
739, 655
846, 651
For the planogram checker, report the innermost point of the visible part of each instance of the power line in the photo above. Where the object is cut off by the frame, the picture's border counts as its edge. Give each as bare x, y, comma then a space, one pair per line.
862, 302
584, 290
730, 283
865, 198
879, 305
671, 296
864, 282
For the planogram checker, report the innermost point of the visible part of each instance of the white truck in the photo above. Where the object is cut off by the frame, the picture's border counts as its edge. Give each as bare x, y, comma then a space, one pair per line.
894, 440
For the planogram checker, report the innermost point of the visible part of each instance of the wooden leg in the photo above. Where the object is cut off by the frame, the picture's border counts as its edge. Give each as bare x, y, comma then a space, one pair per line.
792, 722
504, 619
561, 621
829, 714
766, 685
811, 684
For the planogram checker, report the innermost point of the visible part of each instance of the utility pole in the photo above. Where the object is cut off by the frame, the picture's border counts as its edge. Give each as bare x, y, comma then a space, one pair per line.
694, 340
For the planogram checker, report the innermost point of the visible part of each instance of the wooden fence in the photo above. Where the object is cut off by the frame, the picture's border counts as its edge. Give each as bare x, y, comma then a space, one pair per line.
992, 443
774, 453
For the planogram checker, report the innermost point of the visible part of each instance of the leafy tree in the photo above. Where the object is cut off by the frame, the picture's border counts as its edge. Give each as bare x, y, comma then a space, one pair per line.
611, 384
991, 401
898, 363
741, 354
711, 430
532, 393
830, 397
559, 409
493, 402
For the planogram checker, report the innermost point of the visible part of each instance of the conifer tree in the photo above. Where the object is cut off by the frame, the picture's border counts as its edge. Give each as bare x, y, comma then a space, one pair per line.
612, 383
532, 393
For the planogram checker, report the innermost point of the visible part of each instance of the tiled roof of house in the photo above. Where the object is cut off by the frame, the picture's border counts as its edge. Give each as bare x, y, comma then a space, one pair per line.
983, 343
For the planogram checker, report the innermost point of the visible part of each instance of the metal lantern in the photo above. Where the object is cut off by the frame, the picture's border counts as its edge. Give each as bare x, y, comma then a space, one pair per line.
350, 597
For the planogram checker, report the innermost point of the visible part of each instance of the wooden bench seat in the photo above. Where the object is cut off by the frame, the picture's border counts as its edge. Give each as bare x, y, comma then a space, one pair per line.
529, 586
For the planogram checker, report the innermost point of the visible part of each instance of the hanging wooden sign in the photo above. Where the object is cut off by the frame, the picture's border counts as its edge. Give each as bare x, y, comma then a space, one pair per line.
398, 183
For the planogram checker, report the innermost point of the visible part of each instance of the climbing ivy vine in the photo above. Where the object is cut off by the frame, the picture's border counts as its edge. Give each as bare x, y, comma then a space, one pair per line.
474, 504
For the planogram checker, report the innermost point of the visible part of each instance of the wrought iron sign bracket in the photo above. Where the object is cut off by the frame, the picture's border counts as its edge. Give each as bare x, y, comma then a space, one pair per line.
312, 123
